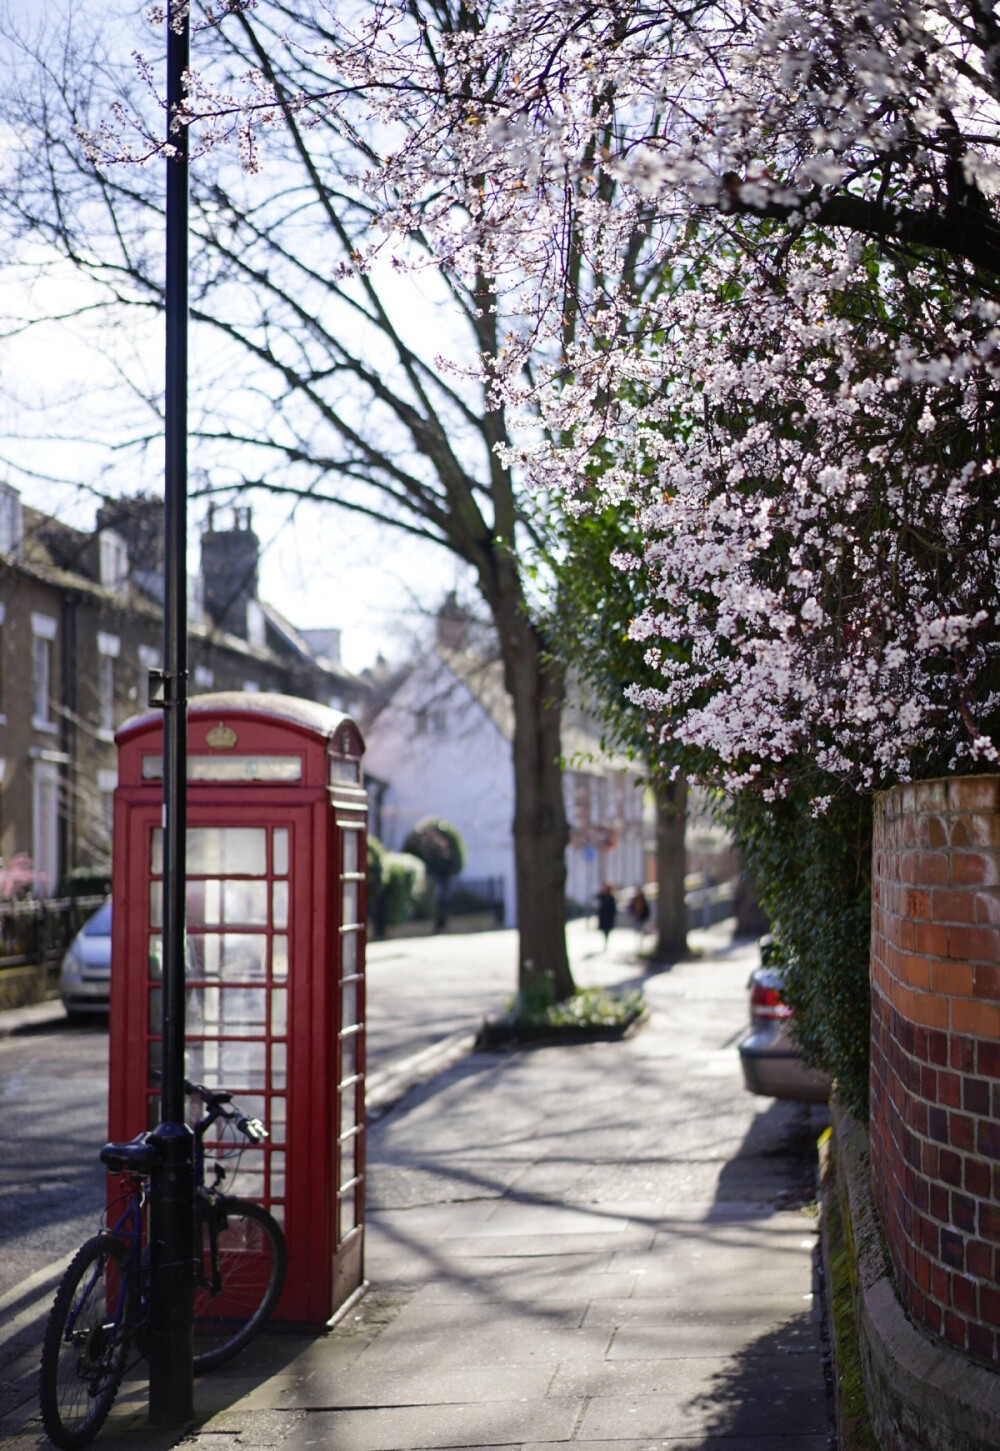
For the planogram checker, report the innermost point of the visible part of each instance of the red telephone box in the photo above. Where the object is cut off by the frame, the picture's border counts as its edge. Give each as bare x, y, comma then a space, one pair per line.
275, 949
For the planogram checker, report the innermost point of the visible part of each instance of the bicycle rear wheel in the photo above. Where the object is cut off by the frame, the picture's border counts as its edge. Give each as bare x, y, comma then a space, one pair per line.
86, 1341
242, 1260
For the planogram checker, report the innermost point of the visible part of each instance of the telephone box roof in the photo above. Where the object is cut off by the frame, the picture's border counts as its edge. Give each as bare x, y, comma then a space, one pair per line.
308, 715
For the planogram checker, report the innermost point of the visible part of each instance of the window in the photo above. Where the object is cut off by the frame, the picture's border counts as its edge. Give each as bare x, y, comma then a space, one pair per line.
204, 678
3, 716
256, 623
108, 650
106, 783
251, 687
10, 520
113, 560
43, 632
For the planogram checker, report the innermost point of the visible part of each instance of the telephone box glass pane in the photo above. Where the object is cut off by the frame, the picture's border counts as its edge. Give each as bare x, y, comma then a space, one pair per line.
277, 1171
279, 1012
349, 948
156, 904
279, 1065
244, 1011
348, 1159
349, 1007
218, 903
229, 956
348, 1108
351, 851
348, 1218
349, 1056
227, 1064
280, 851
350, 903
279, 904
201, 1010
225, 851
156, 956
279, 957
275, 1120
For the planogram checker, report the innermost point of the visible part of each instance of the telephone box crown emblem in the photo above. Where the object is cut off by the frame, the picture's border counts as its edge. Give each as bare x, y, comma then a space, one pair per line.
221, 737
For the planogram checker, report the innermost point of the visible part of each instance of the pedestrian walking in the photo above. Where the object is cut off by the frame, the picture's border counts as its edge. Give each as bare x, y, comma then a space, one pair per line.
607, 911
638, 910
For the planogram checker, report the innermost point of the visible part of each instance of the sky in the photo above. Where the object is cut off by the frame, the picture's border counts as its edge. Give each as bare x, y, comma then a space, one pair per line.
64, 405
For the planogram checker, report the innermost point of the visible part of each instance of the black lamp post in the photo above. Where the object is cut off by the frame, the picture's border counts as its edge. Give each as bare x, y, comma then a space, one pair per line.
171, 1344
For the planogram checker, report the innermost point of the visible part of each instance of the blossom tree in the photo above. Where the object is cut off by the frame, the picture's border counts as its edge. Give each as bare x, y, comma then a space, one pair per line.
813, 439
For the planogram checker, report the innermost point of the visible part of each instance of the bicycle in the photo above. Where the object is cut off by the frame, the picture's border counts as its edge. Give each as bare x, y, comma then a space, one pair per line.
101, 1307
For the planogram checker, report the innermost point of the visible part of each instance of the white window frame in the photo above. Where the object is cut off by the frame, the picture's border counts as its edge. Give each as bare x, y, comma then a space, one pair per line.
108, 650
45, 786
43, 633
113, 560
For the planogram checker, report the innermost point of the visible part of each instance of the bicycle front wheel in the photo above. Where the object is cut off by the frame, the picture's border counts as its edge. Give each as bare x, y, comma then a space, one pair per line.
83, 1353
240, 1273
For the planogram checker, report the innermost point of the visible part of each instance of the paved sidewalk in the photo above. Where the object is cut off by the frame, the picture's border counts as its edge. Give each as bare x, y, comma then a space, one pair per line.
609, 1245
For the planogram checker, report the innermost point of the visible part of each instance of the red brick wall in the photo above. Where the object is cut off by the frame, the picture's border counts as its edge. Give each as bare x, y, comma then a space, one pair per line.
935, 1078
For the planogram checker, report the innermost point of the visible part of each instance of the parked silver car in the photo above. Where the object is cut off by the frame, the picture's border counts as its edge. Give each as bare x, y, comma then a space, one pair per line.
770, 1058
85, 975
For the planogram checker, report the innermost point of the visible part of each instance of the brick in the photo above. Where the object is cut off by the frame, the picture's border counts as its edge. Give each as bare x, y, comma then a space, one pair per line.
975, 1095
916, 970
982, 1342
936, 1048
950, 1170
922, 1271
931, 796
952, 904
976, 1178
970, 1015
940, 1204
962, 1054
988, 1059
930, 939
954, 1330
937, 831
963, 1296
963, 1213
986, 981
989, 1305
988, 1139
962, 1132
937, 1125
974, 944
931, 1010
928, 1236
987, 907
930, 870
989, 1222
954, 979
979, 1262
975, 869
973, 793
982, 829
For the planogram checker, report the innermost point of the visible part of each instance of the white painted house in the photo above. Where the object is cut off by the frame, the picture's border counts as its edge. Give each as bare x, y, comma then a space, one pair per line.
440, 745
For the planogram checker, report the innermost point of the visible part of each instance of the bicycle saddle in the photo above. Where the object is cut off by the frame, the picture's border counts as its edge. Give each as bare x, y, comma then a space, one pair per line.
138, 1156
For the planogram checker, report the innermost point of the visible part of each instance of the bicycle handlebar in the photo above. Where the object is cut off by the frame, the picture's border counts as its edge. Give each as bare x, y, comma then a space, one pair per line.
217, 1101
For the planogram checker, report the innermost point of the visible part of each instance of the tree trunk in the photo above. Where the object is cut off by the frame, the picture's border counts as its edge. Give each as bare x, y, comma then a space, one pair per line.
671, 865
537, 686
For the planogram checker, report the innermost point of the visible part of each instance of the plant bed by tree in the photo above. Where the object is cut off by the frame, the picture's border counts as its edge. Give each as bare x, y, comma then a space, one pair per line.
593, 1015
